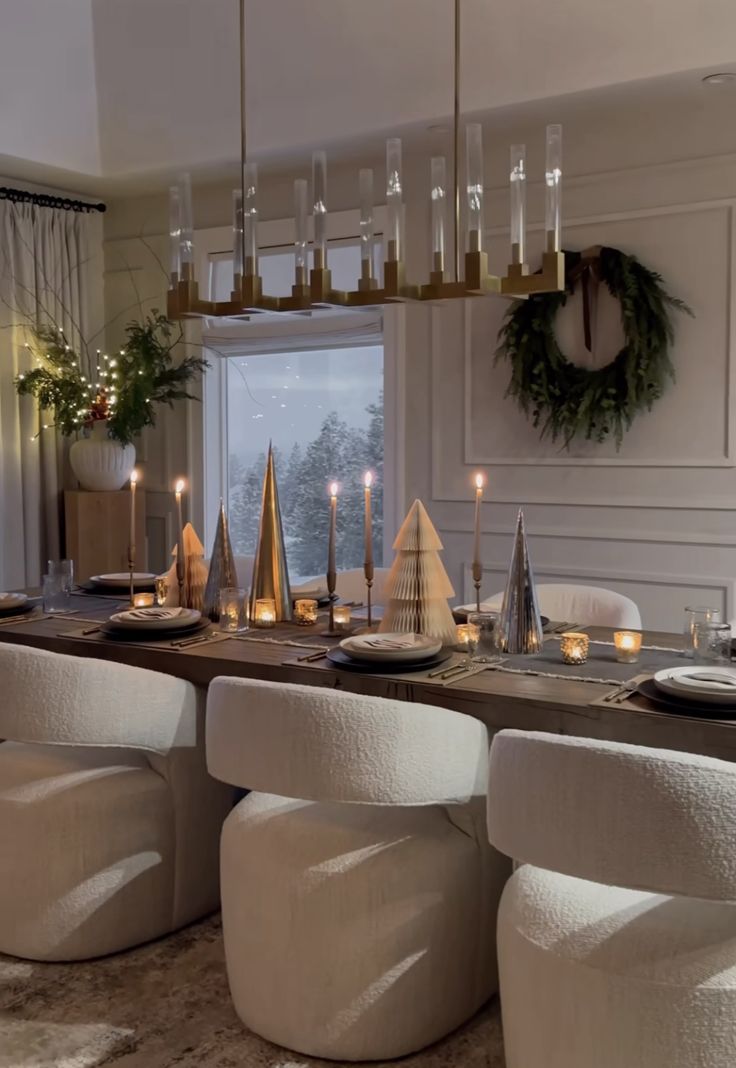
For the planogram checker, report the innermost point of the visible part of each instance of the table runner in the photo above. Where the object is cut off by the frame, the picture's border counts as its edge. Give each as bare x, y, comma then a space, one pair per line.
601, 665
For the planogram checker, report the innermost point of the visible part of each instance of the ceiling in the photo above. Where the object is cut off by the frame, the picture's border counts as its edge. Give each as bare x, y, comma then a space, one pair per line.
98, 95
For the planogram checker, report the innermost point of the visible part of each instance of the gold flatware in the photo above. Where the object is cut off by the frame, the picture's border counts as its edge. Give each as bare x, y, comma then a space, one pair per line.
91, 630
189, 641
311, 656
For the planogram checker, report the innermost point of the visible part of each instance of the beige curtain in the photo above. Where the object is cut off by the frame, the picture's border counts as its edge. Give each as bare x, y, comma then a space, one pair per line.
44, 261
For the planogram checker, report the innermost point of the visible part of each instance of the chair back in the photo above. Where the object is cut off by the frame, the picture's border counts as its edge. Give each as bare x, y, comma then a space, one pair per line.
325, 745
351, 585
69, 700
617, 814
592, 606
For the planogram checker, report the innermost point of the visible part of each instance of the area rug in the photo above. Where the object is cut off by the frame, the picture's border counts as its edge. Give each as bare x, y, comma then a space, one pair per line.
166, 1005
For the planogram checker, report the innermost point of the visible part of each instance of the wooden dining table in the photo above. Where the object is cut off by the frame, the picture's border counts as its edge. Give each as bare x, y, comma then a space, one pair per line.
525, 701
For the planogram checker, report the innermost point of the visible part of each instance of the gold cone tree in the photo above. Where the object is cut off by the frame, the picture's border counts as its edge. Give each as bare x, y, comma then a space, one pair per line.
418, 586
270, 572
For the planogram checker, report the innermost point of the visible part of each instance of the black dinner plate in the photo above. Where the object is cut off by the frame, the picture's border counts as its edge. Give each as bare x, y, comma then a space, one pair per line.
121, 592
123, 634
20, 609
383, 667
649, 689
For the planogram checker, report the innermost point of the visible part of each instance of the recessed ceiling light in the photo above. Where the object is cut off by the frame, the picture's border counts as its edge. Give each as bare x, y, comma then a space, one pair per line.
720, 78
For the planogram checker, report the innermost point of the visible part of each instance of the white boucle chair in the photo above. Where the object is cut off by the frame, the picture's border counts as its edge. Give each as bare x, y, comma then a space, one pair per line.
109, 822
617, 936
591, 606
350, 585
358, 890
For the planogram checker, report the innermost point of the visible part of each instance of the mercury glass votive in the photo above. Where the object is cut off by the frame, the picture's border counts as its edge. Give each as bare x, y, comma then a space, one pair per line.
305, 612
628, 646
468, 636
574, 647
143, 600
265, 615
341, 616
162, 589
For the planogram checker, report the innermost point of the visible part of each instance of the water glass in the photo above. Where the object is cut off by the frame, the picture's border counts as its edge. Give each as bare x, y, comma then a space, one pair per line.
56, 593
489, 637
64, 570
233, 616
712, 643
693, 616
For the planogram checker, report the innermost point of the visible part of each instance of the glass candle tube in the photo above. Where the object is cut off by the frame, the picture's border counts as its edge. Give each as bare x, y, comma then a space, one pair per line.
232, 609
365, 186
474, 186
250, 219
174, 233
265, 614
628, 646
468, 636
237, 236
341, 616
438, 183
305, 612
517, 177
574, 647
301, 240
186, 226
319, 207
553, 188
394, 195
143, 600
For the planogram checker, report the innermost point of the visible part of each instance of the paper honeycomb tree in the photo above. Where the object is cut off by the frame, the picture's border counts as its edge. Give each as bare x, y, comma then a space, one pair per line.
418, 587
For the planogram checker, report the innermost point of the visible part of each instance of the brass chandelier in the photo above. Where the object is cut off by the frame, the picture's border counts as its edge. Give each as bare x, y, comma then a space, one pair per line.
312, 287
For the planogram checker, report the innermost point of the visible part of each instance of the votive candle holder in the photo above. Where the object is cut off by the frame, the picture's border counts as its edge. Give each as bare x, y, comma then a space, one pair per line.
628, 646
305, 612
341, 616
265, 615
468, 636
143, 600
574, 647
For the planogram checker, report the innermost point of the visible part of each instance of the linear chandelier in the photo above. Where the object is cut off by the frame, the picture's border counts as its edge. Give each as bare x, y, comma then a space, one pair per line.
312, 287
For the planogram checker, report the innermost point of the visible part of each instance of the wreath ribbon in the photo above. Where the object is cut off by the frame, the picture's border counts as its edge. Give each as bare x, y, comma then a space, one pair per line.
587, 272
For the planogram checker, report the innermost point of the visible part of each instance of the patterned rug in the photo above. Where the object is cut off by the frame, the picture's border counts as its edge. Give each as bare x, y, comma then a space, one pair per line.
167, 1005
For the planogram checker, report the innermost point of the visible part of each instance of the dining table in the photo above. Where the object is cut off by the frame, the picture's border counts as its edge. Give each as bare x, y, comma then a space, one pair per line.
526, 693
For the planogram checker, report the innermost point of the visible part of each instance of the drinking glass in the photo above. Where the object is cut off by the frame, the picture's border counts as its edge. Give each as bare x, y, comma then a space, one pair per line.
56, 593
693, 616
712, 643
489, 637
63, 569
233, 615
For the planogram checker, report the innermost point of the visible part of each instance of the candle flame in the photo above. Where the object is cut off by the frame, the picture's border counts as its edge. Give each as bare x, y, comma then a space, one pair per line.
479, 481
333, 489
179, 487
133, 477
368, 479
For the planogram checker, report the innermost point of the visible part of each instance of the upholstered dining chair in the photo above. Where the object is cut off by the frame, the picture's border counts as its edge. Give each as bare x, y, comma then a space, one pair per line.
592, 606
617, 936
358, 894
351, 585
109, 822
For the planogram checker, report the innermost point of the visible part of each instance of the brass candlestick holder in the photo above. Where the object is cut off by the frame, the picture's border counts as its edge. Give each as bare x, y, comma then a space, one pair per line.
331, 632
131, 572
477, 580
180, 572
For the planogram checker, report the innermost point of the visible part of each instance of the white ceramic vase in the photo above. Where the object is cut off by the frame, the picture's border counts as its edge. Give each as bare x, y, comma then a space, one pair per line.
100, 463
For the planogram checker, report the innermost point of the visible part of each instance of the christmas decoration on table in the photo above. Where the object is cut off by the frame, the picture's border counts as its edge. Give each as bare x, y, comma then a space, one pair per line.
222, 574
195, 572
270, 572
521, 625
418, 587
567, 401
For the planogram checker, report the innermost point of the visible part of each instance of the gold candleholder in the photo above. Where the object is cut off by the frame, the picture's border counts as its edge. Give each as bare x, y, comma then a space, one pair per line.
305, 612
628, 646
143, 600
265, 612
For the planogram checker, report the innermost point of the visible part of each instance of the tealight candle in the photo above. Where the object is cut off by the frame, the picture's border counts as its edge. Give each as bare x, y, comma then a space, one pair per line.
574, 647
305, 612
468, 636
341, 616
265, 612
143, 600
628, 646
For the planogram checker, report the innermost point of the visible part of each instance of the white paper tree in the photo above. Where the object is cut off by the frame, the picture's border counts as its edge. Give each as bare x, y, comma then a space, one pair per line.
418, 587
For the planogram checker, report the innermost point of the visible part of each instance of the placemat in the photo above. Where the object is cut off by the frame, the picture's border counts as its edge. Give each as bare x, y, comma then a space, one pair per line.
164, 644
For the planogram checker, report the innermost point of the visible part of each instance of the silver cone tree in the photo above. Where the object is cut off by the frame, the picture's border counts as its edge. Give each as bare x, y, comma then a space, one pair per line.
270, 573
222, 567
521, 624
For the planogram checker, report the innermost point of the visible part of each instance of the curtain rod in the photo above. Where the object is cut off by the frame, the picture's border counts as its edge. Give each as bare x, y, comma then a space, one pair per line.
46, 200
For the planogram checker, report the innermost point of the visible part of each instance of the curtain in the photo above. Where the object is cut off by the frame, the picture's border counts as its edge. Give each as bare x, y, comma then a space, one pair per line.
44, 255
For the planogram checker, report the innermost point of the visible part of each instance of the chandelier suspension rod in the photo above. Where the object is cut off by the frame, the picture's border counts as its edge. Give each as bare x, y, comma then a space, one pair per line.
243, 140
456, 148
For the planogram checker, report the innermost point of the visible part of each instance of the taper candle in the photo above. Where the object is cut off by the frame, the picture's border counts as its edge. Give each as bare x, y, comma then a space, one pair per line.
331, 566
133, 484
179, 489
477, 564
368, 563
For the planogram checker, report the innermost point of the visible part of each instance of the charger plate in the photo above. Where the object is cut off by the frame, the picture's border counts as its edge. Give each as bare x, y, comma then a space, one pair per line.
647, 688
119, 635
348, 663
19, 609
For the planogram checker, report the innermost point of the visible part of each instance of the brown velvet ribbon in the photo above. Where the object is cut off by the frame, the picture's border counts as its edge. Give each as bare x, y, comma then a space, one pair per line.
587, 272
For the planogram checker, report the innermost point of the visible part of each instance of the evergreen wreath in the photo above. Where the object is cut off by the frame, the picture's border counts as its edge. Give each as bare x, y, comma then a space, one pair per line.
568, 401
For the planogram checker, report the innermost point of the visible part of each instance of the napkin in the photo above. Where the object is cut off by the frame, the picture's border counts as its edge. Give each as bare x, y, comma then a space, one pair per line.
686, 682
195, 572
406, 642
151, 613
10, 600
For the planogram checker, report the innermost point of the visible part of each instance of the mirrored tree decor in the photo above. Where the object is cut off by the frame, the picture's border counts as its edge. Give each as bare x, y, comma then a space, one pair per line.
521, 623
222, 573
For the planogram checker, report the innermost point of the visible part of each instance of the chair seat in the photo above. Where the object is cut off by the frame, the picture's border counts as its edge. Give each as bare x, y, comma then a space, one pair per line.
616, 978
353, 931
103, 879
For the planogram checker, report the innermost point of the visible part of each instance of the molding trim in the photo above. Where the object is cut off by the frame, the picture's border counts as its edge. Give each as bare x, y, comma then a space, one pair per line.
712, 541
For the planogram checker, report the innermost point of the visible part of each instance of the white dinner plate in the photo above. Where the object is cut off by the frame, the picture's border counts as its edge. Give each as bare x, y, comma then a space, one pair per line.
391, 647
676, 682
12, 600
122, 579
155, 618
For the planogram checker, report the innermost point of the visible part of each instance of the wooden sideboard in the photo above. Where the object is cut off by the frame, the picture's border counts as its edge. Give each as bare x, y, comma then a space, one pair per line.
98, 530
